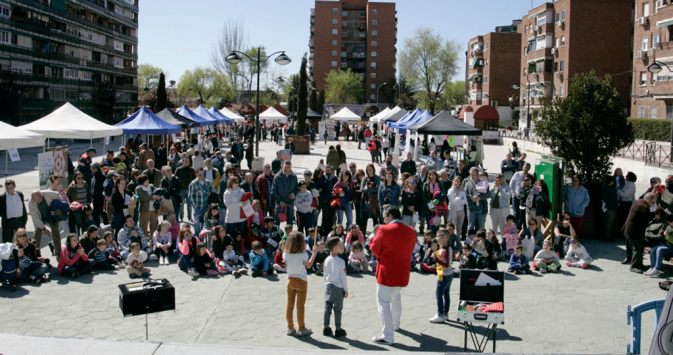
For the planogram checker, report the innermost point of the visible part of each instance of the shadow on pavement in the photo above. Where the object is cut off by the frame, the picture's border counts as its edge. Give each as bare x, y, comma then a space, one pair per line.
426, 343
319, 344
360, 345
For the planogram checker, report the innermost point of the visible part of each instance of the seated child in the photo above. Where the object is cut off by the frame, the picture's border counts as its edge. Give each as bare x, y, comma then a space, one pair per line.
546, 260
278, 262
87, 217
162, 242
232, 262
101, 257
357, 260
251, 235
577, 255
421, 248
312, 233
220, 241
38, 254
498, 253
468, 259
175, 229
353, 234
259, 262
372, 263
30, 269
203, 261
487, 251
518, 263
112, 248
321, 255
270, 236
10, 270
429, 264
135, 261
239, 244
287, 230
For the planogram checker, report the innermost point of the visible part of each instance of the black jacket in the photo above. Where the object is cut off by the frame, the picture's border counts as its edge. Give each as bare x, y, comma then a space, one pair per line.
173, 188
408, 166
98, 183
3, 209
637, 221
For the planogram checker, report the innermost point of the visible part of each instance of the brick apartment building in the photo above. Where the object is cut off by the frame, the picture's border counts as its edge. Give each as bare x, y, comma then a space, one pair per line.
57, 50
652, 40
567, 37
357, 35
489, 62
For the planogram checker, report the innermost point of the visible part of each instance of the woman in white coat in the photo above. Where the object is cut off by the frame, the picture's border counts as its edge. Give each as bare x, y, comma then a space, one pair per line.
500, 207
457, 201
232, 199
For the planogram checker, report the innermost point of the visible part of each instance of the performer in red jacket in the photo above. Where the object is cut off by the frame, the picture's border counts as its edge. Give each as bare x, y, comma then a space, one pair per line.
393, 245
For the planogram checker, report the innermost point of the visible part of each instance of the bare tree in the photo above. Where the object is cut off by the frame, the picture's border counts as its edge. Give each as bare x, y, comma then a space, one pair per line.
233, 38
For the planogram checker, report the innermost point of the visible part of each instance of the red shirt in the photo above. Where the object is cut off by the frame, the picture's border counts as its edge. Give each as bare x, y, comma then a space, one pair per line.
393, 246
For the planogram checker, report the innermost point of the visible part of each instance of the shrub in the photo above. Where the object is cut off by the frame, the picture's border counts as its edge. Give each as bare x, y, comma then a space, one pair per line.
651, 129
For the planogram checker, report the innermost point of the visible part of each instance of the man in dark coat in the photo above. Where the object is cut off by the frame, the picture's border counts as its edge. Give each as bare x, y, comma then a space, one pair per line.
634, 231
12, 211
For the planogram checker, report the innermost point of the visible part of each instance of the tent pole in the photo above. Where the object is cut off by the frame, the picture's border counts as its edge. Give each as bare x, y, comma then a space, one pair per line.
396, 149
6, 154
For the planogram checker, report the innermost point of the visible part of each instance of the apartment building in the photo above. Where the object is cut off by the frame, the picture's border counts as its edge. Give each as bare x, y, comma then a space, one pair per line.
653, 41
57, 50
489, 61
357, 35
568, 37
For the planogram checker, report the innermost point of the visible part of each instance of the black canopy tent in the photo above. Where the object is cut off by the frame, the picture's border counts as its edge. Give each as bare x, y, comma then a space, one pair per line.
176, 119
445, 123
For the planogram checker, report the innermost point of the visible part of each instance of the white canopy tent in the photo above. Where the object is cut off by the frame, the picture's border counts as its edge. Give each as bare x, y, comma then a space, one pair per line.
68, 122
234, 116
378, 116
346, 115
271, 114
16, 138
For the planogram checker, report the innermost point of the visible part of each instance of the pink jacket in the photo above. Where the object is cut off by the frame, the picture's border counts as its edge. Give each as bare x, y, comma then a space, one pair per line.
185, 247
65, 258
349, 237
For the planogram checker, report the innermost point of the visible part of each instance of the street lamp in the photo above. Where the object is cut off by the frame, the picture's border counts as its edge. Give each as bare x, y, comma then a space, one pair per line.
281, 59
655, 68
516, 86
377, 93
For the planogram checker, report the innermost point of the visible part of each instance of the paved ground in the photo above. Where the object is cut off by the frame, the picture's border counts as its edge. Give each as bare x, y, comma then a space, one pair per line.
577, 311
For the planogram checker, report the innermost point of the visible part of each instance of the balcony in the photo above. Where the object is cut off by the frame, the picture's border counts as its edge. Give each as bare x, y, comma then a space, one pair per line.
539, 54
99, 6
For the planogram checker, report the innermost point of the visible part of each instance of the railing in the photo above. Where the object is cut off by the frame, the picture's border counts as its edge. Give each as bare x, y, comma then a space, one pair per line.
633, 315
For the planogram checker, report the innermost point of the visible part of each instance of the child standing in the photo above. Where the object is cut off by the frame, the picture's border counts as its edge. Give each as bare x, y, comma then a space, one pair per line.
336, 287
135, 262
546, 260
511, 237
259, 261
577, 255
101, 257
203, 261
297, 263
162, 242
518, 263
357, 260
443, 258
303, 202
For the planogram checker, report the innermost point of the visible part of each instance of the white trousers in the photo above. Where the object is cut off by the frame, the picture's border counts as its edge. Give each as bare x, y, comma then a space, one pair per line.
499, 219
389, 300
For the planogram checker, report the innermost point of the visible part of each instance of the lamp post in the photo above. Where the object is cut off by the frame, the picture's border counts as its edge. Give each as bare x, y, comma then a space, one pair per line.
516, 86
377, 94
655, 68
281, 59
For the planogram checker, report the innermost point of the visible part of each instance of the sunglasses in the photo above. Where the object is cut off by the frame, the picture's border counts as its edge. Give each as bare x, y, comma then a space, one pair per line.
412, 182
532, 224
21, 235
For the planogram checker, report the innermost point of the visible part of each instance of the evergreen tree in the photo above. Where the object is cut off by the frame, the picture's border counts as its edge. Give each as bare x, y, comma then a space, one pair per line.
313, 98
321, 102
162, 99
302, 99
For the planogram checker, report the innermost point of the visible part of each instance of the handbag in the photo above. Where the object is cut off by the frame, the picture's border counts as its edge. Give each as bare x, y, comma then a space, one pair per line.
282, 213
247, 210
166, 206
436, 220
528, 245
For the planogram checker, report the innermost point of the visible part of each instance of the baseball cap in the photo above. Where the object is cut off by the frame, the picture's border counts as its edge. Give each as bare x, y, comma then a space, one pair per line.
111, 173
110, 151
308, 172
91, 149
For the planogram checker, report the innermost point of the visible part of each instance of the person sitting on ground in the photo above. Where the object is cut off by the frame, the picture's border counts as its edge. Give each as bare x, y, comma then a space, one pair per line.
135, 262
468, 259
429, 265
563, 233
487, 249
101, 257
577, 255
546, 260
278, 262
320, 258
203, 261
30, 269
354, 234
498, 253
73, 261
533, 232
162, 242
259, 261
233, 262
654, 233
518, 263
659, 252
131, 233
357, 259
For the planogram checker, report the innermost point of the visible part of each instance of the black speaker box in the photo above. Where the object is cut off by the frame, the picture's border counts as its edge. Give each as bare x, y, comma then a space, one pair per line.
146, 296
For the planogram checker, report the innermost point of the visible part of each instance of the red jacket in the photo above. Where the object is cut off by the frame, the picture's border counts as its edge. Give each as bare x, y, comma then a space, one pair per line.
264, 190
393, 246
65, 258
261, 219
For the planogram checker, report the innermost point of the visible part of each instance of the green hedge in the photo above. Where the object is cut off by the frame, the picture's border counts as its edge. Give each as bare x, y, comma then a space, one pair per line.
651, 129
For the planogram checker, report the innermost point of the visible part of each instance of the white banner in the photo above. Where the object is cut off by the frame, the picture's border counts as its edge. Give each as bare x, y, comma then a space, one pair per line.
14, 155
45, 164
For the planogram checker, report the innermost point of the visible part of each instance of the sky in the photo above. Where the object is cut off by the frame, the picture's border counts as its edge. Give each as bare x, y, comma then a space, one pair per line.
179, 35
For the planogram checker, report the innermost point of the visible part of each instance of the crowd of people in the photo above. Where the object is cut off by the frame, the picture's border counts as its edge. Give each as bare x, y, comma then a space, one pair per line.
192, 203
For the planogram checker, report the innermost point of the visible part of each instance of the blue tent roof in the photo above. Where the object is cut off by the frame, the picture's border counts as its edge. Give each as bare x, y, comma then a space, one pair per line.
409, 116
215, 112
203, 112
146, 122
420, 118
202, 121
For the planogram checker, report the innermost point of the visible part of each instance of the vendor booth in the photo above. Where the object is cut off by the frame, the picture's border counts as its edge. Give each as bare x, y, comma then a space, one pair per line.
346, 116
483, 117
271, 115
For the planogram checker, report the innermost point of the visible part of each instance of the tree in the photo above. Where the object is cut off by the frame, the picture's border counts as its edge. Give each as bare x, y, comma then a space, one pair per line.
343, 87
103, 99
148, 77
321, 102
162, 99
454, 93
302, 98
313, 98
232, 38
10, 98
268, 97
586, 128
206, 83
406, 98
428, 61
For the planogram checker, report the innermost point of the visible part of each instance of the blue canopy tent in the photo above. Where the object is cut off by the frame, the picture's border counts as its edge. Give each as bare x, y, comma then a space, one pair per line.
203, 112
420, 118
146, 122
215, 112
409, 116
184, 111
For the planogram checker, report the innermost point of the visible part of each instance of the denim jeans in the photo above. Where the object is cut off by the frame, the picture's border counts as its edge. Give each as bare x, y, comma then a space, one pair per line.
37, 272
185, 201
348, 209
442, 294
184, 262
475, 219
657, 255
232, 227
198, 214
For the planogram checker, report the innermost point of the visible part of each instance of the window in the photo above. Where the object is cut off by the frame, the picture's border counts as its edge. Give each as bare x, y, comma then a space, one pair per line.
654, 79
373, 54
343, 54
558, 42
4, 37
335, 10
644, 43
335, 21
373, 65
486, 48
363, 14
656, 39
373, 43
374, 33
641, 111
344, 65
653, 111
560, 91
334, 63
375, 22
372, 75
662, 77
4, 10
372, 96
374, 11
344, 24
542, 19
334, 42
525, 30
563, 41
557, 17
562, 66
373, 86
646, 9
344, 34
643, 78
335, 31
485, 79
563, 15
334, 53
555, 66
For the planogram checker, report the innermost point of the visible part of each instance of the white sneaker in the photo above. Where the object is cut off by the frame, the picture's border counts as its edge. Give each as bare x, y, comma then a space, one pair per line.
192, 273
647, 273
438, 318
305, 331
654, 273
292, 332
153, 257
166, 261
